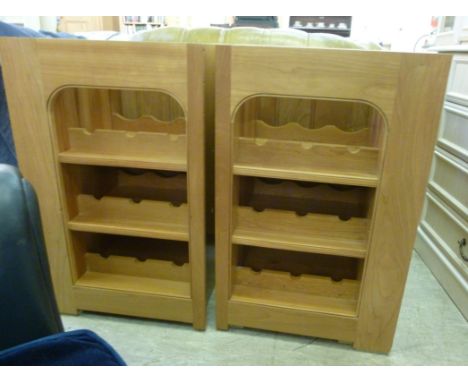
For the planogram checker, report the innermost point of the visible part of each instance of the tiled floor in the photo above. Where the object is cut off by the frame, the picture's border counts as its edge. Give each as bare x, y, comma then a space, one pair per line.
431, 331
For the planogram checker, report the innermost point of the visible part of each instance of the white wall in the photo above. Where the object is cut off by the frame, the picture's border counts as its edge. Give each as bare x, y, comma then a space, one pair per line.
48, 23
195, 21
32, 22
399, 33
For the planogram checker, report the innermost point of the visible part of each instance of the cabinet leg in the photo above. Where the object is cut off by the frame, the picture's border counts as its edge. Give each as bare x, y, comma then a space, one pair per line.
199, 323
221, 320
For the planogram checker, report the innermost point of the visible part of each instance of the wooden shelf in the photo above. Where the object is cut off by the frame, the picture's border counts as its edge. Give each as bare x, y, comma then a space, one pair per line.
366, 180
134, 284
120, 148
74, 157
119, 273
306, 292
148, 218
314, 233
316, 162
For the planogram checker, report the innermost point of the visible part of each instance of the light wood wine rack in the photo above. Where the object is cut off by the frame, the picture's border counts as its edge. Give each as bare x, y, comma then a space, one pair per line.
321, 161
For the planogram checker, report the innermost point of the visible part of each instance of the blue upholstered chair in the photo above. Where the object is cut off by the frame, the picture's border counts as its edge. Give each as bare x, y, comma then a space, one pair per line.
31, 332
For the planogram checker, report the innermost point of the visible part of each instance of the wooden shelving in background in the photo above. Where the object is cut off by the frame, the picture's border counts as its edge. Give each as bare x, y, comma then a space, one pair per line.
133, 24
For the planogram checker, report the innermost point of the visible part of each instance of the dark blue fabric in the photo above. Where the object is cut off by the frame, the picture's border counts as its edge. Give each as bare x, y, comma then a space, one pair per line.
28, 309
7, 147
31, 330
75, 348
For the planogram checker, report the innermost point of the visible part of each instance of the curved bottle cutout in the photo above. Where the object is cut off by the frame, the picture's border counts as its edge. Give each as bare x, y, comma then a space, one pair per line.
295, 266
148, 123
93, 108
340, 122
309, 140
111, 127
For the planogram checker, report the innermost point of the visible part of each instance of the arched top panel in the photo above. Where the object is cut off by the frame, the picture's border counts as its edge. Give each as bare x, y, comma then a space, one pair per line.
100, 64
367, 76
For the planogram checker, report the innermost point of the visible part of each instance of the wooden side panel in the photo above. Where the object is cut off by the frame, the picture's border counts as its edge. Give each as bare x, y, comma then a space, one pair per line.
196, 182
28, 114
410, 143
223, 185
210, 69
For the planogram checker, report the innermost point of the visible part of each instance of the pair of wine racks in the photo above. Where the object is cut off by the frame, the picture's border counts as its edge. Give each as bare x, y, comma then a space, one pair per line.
321, 158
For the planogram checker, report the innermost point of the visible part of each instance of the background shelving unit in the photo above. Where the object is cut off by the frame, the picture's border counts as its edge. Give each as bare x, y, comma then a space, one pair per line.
133, 24
339, 25
317, 196
126, 138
